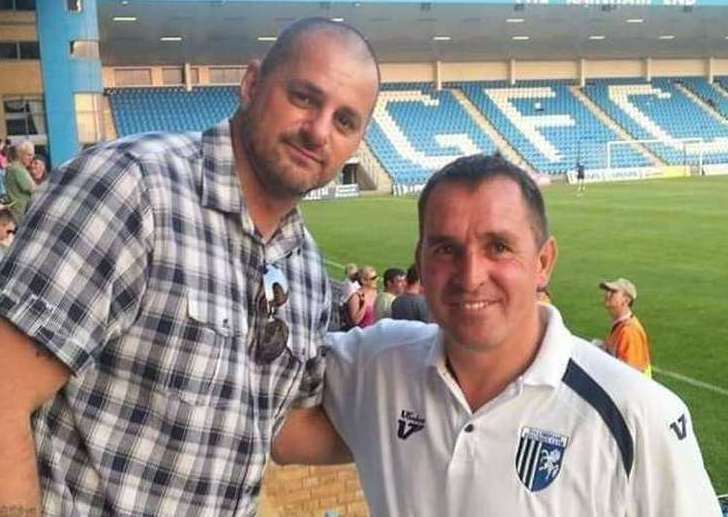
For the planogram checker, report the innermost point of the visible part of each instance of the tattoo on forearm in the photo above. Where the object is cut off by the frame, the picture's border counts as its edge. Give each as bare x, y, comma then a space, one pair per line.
18, 511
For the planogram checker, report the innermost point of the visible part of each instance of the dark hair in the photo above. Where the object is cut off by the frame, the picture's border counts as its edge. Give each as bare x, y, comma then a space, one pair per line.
477, 168
6, 216
287, 41
392, 273
413, 276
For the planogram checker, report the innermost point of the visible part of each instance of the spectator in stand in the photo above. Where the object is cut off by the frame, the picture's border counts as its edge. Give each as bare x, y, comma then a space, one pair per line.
7, 230
361, 306
627, 340
18, 181
394, 284
349, 288
351, 283
4, 161
411, 304
37, 169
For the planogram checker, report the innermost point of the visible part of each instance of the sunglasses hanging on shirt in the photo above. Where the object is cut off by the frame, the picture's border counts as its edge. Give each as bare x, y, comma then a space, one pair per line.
271, 343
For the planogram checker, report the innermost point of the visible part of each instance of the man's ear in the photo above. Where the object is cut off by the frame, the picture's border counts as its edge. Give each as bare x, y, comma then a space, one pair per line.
418, 249
250, 82
547, 256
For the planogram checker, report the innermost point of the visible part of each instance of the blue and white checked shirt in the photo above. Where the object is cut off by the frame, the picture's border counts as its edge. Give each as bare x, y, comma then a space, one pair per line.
139, 268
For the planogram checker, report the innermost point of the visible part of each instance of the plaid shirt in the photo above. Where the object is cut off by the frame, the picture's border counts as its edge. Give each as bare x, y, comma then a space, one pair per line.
139, 268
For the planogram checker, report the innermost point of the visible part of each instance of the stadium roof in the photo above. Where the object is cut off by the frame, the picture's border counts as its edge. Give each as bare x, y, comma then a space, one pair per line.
227, 31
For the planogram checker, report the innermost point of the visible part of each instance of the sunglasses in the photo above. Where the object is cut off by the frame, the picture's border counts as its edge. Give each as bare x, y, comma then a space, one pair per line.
272, 341
371, 278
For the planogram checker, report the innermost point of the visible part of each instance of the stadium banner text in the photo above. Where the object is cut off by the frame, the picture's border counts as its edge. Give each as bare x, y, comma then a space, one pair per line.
333, 191
715, 170
629, 173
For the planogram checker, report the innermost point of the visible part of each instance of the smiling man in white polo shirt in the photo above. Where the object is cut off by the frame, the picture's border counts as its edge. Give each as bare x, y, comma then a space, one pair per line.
497, 409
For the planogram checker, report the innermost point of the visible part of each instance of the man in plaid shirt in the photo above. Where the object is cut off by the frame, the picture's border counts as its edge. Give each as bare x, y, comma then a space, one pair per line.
163, 305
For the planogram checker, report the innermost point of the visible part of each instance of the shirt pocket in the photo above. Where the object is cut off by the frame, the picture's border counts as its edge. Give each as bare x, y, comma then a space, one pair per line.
194, 364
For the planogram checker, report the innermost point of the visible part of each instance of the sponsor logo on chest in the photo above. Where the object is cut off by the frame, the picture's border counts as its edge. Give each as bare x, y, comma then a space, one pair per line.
539, 457
409, 422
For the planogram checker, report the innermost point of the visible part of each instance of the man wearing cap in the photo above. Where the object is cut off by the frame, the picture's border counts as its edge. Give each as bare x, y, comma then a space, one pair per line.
627, 340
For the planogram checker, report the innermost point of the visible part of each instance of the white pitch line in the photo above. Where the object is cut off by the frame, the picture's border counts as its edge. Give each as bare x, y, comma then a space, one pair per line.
691, 381
335, 264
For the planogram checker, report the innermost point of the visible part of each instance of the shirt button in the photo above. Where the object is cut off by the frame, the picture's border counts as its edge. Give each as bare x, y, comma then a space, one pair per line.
469, 428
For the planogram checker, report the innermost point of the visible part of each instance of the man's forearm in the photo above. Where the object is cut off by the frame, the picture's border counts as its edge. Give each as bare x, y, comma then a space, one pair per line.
19, 484
308, 438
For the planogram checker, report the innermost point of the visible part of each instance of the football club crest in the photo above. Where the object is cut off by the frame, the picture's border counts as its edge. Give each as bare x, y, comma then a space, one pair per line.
409, 423
539, 457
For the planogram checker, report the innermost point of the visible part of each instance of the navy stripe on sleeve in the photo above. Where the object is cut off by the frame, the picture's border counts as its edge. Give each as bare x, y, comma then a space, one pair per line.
587, 388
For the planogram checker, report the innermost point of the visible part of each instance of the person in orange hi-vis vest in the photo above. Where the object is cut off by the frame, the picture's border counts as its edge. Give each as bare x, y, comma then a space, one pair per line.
627, 340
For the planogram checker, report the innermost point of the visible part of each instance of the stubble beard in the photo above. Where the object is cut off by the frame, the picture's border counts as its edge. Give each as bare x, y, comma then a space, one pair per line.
275, 176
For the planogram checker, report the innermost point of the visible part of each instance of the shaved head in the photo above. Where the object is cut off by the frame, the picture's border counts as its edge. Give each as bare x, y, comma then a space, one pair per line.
288, 41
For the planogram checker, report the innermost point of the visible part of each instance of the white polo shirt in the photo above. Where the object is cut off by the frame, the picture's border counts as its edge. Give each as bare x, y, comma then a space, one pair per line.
578, 434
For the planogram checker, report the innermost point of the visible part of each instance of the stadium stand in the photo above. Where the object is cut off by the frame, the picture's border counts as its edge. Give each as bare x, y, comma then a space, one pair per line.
138, 110
661, 110
416, 130
711, 94
548, 125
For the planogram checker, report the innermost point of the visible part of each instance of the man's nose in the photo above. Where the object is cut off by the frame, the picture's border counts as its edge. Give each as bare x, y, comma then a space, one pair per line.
474, 270
317, 129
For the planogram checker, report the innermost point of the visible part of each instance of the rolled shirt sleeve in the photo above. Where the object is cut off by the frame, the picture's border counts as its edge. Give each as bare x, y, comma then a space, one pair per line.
75, 275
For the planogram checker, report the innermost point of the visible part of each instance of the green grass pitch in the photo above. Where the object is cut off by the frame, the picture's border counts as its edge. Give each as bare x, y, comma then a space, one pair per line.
670, 237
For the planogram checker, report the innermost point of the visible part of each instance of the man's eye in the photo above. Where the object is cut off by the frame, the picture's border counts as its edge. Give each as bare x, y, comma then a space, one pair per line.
444, 249
345, 122
499, 248
301, 99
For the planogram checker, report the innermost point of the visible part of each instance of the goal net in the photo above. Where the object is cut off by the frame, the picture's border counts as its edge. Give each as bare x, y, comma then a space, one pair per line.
680, 152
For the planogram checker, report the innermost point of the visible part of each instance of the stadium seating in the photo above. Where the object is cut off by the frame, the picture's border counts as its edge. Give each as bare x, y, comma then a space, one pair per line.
416, 130
138, 110
661, 110
712, 94
548, 125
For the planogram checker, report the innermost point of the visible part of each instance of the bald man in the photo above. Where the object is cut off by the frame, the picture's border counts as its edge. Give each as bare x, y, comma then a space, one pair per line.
164, 306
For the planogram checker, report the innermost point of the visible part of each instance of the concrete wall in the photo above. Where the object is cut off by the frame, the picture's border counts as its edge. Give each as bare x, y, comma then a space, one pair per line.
18, 77
683, 67
521, 70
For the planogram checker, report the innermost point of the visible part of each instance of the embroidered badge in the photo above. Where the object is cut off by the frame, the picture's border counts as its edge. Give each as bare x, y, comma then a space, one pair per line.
539, 458
408, 423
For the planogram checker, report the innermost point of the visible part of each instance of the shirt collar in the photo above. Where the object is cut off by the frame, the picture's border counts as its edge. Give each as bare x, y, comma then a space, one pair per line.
551, 359
221, 191
553, 355
436, 355
220, 183
622, 319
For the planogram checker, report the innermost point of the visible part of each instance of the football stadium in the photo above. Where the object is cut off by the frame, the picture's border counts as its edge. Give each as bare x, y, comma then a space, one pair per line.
634, 93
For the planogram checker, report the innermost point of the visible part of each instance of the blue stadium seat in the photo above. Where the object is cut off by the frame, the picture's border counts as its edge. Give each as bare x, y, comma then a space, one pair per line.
416, 130
661, 110
139, 110
548, 125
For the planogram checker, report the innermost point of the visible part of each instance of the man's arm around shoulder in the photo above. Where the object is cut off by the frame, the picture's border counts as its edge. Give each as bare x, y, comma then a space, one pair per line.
29, 376
308, 437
